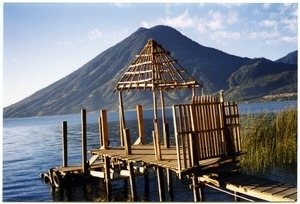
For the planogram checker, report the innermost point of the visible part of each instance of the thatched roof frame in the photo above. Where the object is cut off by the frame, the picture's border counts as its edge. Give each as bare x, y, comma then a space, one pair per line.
155, 69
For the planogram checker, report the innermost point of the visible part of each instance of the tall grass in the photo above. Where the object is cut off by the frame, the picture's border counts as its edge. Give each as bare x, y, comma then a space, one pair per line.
270, 140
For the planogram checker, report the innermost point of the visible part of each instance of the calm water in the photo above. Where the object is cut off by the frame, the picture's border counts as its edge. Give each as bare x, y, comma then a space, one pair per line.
33, 145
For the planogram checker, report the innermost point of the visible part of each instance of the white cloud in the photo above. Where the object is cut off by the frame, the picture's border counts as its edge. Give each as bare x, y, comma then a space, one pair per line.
268, 23
283, 40
232, 17
266, 5
216, 20
232, 5
182, 21
146, 24
289, 39
221, 35
264, 34
94, 34
290, 24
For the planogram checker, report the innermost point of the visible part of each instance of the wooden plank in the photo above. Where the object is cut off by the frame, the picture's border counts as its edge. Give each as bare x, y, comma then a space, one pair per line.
267, 186
287, 192
292, 196
277, 189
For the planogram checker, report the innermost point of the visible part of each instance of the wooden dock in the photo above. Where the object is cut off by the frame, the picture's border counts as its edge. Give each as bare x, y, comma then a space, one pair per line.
206, 137
253, 186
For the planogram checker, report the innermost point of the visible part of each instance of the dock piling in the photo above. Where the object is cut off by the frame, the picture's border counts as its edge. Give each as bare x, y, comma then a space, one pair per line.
140, 119
132, 181
65, 143
107, 176
160, 182
170, 184
84, 144
127, 141
104, 131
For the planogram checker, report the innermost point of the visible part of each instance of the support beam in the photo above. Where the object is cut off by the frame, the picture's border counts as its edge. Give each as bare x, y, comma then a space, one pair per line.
163, 116
160, 182
195, 187
107, 176
104, 131
146, 183
84, 144
156, 128
140, 119
132, 181
127, 141
122, 118
65, 143
170, 184
100, 132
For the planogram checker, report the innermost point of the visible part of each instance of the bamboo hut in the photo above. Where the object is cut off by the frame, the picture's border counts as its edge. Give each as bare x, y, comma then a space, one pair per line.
155, 70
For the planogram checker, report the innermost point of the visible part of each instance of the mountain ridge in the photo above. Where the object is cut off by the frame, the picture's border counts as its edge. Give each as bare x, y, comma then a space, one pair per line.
92, 84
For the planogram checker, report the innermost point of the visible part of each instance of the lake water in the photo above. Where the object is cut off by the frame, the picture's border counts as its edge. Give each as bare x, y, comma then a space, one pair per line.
33, 145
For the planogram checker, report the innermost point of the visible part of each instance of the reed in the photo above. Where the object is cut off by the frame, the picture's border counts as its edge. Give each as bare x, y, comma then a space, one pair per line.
270, 141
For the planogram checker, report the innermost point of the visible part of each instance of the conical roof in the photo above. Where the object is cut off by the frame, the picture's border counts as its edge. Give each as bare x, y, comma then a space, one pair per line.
155, 69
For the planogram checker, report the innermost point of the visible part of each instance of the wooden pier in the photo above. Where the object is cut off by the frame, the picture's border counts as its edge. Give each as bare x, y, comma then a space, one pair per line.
206, 137
195, 156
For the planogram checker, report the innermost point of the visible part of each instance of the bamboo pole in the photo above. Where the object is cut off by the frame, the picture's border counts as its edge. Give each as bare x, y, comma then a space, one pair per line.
65, 143
84, 144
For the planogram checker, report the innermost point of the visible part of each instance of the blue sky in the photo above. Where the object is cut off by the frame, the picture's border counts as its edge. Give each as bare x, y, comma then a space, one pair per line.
44, 42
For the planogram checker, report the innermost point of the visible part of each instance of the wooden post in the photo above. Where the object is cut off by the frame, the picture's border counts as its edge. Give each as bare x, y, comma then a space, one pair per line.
84, 144
201, 193
132, 181
236, 198
107, 176
146, 182
170, 184
167, 136
195, 186
127, 141
160, 182
156, 129
163, 116
100, 131
140, 119
65, 143
194, 149
228, 140
104, 129
122, 118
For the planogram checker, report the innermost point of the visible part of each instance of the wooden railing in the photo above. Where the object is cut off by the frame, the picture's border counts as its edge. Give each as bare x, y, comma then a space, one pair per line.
206, 128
